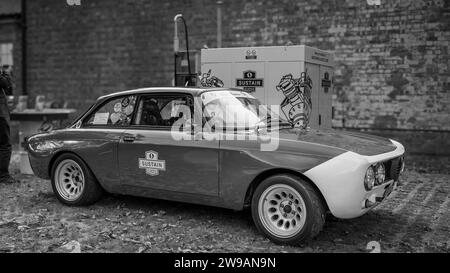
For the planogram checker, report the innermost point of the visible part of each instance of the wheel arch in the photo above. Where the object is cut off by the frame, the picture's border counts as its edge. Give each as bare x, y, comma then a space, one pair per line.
265, 174
60, 153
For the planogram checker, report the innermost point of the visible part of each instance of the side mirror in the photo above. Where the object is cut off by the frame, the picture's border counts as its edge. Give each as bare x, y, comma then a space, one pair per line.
260, 128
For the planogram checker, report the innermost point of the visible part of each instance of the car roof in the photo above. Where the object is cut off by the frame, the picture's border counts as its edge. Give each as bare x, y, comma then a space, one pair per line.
195, 91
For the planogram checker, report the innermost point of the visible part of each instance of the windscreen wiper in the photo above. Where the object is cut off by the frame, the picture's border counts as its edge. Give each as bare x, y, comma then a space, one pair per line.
268, 121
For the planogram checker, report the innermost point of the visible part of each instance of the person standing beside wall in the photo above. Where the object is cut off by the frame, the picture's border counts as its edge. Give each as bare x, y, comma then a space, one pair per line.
5, 139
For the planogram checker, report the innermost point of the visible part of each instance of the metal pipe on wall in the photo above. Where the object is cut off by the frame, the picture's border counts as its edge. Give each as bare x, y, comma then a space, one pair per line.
177, 46
24, 47
176, 40
219, 24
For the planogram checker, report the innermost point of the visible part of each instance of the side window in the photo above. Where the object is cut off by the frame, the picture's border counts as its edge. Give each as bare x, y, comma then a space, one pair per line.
164, 110
116, 112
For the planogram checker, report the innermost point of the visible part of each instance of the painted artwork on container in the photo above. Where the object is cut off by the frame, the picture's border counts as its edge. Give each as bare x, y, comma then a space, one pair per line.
297, 105
207, 80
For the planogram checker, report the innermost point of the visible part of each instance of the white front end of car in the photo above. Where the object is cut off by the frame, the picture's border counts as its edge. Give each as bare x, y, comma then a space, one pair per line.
341, 180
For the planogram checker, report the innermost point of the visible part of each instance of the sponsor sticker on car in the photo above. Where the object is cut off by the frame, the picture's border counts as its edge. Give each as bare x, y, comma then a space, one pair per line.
151, 163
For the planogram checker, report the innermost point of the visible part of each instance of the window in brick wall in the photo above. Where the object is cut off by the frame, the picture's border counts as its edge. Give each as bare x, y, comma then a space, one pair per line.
6, 54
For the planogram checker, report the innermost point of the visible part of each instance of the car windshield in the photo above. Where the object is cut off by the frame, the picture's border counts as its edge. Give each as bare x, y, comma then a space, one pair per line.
236, 109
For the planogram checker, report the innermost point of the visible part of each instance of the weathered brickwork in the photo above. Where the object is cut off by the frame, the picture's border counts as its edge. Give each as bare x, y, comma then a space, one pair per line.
392, 60
10, 32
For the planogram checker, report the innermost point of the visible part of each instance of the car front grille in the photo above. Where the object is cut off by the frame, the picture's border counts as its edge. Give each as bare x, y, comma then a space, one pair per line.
393, 168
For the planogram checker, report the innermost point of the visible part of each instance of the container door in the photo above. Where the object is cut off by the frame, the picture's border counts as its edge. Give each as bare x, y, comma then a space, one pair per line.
325, 96
312, 71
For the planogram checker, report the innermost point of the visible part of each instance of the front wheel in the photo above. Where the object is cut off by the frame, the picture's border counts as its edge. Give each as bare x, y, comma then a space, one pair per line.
287, 209
73, 182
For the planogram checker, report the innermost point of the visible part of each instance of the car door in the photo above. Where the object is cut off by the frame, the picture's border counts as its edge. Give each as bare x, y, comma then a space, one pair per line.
153, 156
98, 136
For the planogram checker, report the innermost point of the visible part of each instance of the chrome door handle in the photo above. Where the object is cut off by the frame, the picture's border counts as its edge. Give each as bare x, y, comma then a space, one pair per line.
129, 138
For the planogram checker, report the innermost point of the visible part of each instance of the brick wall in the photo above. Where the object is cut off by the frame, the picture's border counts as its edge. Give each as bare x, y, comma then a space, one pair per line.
10, 32
392, 61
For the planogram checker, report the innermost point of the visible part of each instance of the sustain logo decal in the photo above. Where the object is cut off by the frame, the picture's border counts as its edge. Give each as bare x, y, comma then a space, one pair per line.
297, 104
326, 82
249, 82
151, 163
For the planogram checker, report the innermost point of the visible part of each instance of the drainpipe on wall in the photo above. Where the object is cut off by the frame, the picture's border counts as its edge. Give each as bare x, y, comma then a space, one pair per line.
176, 46
24, 47
219, 24
176, 40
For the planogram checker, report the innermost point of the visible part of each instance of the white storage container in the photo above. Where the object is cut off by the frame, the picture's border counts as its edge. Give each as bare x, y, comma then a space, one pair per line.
298, 78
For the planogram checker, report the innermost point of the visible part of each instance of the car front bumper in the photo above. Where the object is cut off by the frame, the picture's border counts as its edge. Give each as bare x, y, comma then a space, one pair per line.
341, 182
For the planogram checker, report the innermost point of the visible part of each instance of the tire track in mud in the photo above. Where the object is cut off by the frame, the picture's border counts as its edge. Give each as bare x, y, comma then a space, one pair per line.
436, 220
397, 195
393, 207
438, 228
400, 188
414, 226
408, 199
420, 207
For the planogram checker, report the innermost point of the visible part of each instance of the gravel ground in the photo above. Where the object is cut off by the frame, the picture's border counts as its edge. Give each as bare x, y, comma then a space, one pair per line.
415, 218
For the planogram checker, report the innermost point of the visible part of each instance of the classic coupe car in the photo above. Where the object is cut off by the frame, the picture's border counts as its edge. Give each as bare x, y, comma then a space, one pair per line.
126, 144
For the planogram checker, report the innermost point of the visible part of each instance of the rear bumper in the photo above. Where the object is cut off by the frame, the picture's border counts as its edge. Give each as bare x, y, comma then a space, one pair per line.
340, 181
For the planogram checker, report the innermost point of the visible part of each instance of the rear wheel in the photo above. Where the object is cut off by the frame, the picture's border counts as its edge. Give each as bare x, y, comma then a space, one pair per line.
73, 182
287, 209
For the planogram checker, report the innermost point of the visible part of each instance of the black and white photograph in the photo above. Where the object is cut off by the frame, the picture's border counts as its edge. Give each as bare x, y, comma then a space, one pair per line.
253, 129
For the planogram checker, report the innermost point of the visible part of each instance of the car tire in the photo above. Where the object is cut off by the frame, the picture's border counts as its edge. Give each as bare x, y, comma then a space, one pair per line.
73, 182
287, 209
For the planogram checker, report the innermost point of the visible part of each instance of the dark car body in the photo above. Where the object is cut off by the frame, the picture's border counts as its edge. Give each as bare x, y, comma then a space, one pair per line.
219, 172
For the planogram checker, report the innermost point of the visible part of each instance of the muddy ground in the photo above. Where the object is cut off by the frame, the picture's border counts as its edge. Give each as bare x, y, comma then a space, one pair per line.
416, 218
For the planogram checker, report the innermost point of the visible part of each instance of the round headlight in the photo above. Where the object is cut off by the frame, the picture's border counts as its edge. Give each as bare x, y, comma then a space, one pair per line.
369, 179
380, 173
